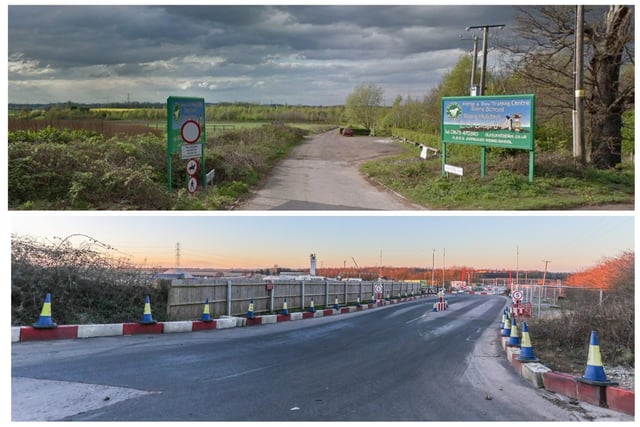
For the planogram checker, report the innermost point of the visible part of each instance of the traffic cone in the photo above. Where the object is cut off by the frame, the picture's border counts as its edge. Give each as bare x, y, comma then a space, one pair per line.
514, 337
504, 315
594, 374
312, 308
506, 331
250, 312
336, 306
146, 317
206, 317
526, 352
45, 322
284, 311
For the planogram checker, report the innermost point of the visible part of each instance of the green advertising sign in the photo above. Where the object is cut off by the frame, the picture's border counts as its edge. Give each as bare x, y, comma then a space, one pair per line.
491, 121
186, 135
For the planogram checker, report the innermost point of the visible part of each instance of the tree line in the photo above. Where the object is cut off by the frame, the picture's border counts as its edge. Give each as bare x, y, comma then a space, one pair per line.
543, 64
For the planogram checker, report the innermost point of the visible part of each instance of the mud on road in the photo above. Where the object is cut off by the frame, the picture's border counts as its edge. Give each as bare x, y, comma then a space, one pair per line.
323, 174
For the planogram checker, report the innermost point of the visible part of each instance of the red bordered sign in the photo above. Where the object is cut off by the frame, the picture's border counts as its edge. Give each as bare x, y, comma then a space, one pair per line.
517, 295
190, 131
192, 184
192, 167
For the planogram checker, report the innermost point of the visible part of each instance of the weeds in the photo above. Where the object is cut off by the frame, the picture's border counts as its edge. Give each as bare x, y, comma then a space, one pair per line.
81, 169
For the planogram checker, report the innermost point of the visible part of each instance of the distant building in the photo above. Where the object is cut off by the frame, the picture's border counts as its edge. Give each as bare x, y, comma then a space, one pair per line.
174, 273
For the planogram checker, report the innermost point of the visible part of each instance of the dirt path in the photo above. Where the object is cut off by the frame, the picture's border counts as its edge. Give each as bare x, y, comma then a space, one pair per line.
323, 174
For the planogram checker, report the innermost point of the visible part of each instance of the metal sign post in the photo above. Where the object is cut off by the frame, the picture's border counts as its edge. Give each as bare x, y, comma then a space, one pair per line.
186, 134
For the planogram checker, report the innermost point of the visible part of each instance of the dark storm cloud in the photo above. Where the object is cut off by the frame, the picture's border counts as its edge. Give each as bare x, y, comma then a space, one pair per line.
258, 50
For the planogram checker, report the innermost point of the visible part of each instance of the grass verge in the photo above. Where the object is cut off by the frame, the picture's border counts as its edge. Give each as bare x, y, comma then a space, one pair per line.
558, 182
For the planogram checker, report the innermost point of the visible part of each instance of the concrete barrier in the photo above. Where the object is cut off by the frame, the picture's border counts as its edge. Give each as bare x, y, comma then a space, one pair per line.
227, 322
15, 334
622, 400
269, 319
175, 327
61, 332
297, 316
198, 325
138, 328
28, 333
106, 330
534, 372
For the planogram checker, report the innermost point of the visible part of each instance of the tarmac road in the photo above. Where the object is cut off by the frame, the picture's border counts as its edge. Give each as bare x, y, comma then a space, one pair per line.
401, 362
322, 174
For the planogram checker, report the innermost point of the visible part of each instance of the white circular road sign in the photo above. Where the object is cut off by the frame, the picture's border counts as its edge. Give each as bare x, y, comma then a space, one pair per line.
192, 184
190, 131
517, 295
192, 167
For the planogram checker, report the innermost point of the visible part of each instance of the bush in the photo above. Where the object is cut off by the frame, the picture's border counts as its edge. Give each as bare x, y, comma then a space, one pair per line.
86, 284
77, 169
613, 319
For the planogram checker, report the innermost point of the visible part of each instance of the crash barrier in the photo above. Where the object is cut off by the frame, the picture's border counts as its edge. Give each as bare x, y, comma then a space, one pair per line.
231, 298
593, 387
147, 325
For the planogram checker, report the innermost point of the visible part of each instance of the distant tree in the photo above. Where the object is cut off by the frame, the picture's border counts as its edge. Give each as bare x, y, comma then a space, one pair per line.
361, 107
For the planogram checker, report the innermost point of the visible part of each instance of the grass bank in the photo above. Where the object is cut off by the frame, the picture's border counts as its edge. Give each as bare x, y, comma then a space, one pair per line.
558, 182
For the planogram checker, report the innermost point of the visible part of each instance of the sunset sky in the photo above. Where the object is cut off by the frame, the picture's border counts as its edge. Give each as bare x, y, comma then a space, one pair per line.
503, 241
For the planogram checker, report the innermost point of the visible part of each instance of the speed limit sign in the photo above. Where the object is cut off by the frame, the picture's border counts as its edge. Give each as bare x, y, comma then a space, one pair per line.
517, 295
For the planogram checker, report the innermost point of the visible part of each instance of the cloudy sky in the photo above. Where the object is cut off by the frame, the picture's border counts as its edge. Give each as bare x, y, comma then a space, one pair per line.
295, 54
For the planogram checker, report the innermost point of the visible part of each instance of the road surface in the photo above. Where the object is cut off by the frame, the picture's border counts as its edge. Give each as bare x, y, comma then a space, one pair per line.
402, 362
323, 174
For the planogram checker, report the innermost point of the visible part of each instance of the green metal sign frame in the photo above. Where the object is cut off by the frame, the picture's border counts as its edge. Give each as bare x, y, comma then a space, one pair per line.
506, 121
186, 134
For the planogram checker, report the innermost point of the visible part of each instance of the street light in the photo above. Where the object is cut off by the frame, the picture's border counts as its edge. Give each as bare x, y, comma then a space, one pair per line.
433, 269
485, 36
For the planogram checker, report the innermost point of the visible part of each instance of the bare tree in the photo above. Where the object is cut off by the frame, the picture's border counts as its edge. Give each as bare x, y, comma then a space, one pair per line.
545, 62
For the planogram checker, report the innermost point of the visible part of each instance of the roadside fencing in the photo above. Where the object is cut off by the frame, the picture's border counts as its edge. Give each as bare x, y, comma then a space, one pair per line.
232, 298
544, 300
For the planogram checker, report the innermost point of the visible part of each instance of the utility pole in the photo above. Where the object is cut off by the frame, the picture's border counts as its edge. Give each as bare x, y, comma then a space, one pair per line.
579, 151
485, 41
433, 269
443, 266
517, 266
544, 277
177, 255
474, 66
